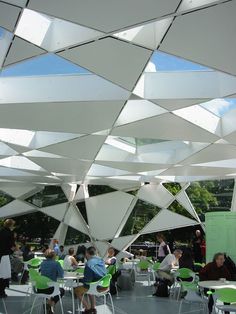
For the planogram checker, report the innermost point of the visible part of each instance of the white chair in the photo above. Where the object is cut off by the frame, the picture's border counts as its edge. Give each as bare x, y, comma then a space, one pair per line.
193, 297
94, 290
45, 297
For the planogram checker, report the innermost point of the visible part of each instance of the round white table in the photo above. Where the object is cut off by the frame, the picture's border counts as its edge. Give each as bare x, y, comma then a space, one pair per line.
217, 284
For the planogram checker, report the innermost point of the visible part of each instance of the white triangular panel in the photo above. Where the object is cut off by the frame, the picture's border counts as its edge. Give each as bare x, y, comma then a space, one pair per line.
15, 208
122, 243
60, 233
73, 219
5, 150
102, 247
166, 220
56, 211
137, 110
69, 190
106, 212
183, 199
148, 35
85, 147
20, 162
156, 194
21, 50
113, 59
16, 190
80, 195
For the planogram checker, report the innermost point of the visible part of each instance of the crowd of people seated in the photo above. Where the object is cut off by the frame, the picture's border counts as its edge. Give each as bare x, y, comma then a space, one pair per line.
13, 257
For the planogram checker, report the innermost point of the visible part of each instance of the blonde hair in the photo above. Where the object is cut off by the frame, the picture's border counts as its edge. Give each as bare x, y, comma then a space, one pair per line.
49, 253
8, 223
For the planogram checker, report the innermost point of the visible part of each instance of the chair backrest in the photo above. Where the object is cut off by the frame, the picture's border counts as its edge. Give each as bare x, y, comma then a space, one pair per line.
34, 262
105, 281
33, 274
41, 282
185, 273
61, 262
80, 271
156, 266
226, 295
111, 270
143, 265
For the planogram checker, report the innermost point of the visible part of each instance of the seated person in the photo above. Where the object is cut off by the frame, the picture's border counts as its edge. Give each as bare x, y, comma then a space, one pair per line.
94, 270
142, 255
61, 252
111, 259
70, 262
169, 262
214, 271
186, 260
53, 270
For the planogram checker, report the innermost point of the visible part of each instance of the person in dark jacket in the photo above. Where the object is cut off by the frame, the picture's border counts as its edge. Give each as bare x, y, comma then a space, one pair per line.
94, 270
214, 271
186, 260
7, 246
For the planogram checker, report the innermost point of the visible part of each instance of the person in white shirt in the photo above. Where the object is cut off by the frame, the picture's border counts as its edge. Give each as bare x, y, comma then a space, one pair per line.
170, 261
164, 249
69, 260
111, 259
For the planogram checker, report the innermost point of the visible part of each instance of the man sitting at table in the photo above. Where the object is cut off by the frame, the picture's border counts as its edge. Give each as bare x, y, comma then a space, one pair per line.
94, 270
169, 262
214, 271
70, 262
53, 270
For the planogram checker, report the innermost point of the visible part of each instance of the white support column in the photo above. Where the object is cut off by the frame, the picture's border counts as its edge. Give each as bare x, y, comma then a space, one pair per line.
233, 202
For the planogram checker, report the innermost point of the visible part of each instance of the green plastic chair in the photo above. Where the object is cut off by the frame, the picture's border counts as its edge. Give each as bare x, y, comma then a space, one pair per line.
43, 282
34, 262
111, 270
154, 269
80, 271
181, 277
143, 265
226, 295
94, 290
61, 262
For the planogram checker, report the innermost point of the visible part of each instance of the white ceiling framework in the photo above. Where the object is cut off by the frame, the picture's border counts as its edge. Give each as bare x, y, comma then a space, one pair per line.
117, 117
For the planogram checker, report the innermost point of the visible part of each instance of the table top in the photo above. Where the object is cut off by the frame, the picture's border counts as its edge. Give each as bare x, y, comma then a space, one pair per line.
217, 284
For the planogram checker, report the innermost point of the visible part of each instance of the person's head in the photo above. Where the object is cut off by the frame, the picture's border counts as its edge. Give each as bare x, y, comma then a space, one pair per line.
111, 252
160, 237
9, 223
198, 233
219, 259
55, 241
177, 253
71, 251
50, 254
141, 253
61, 248
90, 252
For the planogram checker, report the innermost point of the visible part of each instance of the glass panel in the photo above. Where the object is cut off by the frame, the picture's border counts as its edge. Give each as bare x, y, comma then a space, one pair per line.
177, 208
5, 198
50, 195
142, 213
173, 187
75, 237
211, 195
95, 190
82, 208
36, 227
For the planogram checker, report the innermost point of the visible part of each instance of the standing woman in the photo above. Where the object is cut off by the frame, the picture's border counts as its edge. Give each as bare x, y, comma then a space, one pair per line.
7, 246
164, 249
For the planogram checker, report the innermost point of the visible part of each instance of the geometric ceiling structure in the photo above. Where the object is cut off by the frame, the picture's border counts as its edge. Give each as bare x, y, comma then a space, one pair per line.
119, 95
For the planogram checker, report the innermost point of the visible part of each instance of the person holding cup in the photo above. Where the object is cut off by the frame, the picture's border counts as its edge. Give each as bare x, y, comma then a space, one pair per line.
215, 270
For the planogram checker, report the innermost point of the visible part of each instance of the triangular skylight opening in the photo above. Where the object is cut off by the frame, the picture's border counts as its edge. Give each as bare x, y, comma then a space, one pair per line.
47, 64
220, 106
5, 199
161, 61
74, 236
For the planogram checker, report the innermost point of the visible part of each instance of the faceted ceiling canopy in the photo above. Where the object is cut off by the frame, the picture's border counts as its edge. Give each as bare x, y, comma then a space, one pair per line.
106, 92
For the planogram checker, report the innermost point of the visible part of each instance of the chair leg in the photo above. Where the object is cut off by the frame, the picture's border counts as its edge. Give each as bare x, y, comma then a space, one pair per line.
62, 310
4, 305
31, 311
45, 305
180, 306
112, 304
